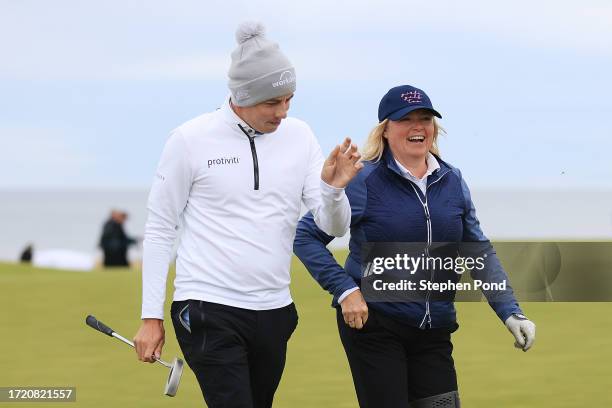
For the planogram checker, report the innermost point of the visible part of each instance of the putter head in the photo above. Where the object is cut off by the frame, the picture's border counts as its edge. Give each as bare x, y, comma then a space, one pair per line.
174, 377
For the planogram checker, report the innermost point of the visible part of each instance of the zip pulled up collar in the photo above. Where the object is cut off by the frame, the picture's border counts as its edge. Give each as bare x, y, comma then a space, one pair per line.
236, 121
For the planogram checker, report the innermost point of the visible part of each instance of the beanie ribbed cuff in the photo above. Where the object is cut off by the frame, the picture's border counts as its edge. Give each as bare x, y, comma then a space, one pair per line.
269, 86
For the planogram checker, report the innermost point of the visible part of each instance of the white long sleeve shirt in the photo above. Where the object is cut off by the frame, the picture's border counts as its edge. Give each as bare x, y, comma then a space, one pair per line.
237, 240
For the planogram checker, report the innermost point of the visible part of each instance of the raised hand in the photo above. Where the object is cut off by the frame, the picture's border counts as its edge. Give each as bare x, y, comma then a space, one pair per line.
341, 165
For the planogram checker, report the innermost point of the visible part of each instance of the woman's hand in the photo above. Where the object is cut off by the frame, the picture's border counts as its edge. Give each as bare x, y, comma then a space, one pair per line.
523, 331
355, 310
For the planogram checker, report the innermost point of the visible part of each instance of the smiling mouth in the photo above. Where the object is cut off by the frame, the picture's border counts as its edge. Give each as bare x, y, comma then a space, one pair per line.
416, 139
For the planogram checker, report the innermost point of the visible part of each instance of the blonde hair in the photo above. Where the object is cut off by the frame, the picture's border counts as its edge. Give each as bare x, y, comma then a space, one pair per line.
376, 142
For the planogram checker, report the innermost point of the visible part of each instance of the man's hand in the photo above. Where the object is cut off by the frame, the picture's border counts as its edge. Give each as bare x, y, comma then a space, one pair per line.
341, 165
149, 340
523, 331
354, 310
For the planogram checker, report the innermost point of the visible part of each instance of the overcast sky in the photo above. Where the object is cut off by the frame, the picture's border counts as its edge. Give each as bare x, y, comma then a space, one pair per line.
89, 91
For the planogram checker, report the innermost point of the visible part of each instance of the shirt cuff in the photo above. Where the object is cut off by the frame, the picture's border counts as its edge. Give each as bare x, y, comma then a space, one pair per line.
150, 313
331, 192
346, 293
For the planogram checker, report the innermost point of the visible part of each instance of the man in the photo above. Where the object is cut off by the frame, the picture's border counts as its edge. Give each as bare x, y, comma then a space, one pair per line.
236, 177
114, 241
26, 254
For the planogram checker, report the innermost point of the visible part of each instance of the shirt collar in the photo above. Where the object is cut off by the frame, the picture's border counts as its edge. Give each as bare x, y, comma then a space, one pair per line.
235, 120
432, 165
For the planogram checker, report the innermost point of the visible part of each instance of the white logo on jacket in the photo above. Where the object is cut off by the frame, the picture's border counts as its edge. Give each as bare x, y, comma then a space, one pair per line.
223, 160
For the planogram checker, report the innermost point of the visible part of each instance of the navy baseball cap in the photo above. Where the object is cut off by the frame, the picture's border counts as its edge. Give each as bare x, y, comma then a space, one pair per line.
402, 100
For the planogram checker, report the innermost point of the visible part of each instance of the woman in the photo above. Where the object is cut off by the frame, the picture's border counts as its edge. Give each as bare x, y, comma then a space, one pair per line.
400, 353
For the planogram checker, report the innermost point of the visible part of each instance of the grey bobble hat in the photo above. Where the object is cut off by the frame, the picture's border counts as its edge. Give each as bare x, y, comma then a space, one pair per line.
259, 70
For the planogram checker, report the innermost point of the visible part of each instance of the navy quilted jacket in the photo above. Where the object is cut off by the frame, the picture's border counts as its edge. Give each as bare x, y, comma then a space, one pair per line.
386, 207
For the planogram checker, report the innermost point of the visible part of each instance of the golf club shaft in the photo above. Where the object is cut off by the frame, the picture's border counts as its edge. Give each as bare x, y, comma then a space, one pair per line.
101, 327
126, 341
123, 339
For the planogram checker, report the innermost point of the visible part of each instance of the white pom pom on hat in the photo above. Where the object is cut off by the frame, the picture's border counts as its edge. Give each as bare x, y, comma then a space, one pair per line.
248, 30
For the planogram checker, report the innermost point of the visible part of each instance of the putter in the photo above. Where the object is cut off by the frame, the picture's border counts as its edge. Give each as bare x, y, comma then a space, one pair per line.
176, 368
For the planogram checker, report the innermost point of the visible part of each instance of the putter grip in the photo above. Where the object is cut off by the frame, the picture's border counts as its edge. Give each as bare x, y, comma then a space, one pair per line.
98, 325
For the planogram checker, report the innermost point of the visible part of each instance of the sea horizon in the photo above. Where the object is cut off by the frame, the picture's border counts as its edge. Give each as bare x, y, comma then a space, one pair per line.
72, 219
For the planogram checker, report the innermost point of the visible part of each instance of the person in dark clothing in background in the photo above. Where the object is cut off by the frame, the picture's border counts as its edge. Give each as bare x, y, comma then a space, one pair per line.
114, 241
26, 254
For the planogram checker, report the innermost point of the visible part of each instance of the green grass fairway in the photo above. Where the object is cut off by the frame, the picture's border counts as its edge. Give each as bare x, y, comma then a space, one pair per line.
45, 342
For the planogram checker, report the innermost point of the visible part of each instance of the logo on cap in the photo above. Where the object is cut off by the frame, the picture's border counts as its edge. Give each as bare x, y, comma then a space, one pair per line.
242, 94
411, 97
286, 78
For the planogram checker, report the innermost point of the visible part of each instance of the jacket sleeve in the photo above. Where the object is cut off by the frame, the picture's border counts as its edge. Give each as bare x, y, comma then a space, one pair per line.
167, 200
310, 246
106, 236
329, 205
477, 244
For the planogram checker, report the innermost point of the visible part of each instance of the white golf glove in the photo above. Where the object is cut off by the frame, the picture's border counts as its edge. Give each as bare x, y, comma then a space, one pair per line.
522, 329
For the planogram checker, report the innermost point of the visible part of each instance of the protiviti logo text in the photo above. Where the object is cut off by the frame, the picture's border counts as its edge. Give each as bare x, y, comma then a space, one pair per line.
223, 160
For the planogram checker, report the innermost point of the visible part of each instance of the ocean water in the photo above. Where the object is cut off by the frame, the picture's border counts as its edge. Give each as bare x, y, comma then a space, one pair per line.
73, 219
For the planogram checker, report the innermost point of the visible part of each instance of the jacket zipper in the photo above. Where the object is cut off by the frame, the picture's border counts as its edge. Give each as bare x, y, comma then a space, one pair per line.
427, 317
255, 161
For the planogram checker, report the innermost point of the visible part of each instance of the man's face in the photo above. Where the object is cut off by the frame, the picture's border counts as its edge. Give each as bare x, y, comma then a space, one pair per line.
266, 116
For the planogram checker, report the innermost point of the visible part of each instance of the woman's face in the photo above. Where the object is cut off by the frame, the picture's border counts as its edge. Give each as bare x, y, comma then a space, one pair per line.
411, 137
